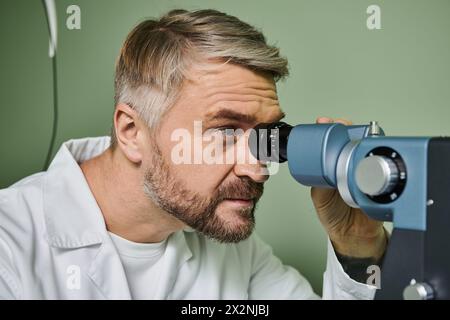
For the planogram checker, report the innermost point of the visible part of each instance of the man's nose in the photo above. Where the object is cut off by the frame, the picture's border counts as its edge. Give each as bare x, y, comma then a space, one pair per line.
257, 172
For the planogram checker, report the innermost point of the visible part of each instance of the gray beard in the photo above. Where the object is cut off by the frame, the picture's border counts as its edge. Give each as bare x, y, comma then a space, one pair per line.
196, 211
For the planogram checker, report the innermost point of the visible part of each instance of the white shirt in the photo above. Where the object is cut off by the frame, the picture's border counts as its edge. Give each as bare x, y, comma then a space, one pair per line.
54, 245
142, 265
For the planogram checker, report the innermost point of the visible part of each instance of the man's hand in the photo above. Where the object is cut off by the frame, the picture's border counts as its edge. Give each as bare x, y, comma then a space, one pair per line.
352, 232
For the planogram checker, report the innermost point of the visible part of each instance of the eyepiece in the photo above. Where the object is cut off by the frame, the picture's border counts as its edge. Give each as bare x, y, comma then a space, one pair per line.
268, 141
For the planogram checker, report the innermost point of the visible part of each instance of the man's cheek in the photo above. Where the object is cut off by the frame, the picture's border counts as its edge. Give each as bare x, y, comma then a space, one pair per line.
204, 178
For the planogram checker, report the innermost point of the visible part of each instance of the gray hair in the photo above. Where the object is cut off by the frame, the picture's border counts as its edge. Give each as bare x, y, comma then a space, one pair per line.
154, 58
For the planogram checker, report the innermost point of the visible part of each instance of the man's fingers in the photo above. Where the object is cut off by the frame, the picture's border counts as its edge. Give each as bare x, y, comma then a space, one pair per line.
331, 120
343, 121
324, 120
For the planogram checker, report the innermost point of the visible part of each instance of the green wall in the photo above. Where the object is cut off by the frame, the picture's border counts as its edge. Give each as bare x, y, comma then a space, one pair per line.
399, 75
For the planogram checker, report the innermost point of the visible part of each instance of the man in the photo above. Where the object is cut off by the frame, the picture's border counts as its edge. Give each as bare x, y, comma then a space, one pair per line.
120, 219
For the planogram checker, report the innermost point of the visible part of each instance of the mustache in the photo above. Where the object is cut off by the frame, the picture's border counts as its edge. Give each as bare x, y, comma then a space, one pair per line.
245, 188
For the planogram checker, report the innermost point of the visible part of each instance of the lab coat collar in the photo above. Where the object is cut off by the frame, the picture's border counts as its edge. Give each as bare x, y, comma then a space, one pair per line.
72, 216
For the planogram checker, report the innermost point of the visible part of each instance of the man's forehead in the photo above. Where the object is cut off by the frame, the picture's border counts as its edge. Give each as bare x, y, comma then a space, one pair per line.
229, 91
222, 74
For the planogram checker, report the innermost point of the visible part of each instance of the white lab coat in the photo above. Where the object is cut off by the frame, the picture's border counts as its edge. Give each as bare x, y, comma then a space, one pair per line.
54, 245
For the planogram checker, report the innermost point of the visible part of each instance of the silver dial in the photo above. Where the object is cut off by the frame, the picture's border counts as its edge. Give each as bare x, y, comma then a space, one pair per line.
376, 175
418, 291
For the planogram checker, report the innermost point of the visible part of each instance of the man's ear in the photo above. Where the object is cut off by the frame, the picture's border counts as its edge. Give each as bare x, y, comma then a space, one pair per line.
127, 128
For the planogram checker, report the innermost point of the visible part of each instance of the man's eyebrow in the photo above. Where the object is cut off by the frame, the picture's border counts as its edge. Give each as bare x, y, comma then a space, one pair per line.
242, 117
232, 115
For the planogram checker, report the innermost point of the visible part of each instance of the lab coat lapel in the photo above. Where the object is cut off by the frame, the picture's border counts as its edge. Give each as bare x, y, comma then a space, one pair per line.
107, 272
